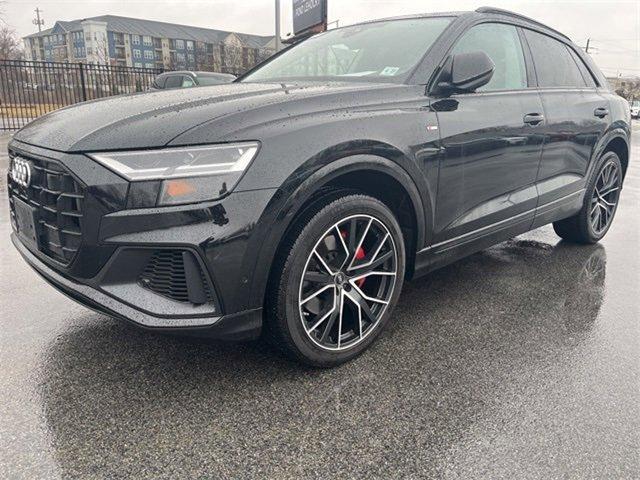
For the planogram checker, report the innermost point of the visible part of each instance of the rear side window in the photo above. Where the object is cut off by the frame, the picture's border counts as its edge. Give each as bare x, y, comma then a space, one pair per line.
187, 82
159, 82
586, 73
173, 81
502, 43
555, 67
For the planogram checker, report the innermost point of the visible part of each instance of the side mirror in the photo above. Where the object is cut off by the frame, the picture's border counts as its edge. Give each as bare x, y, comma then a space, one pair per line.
464, 73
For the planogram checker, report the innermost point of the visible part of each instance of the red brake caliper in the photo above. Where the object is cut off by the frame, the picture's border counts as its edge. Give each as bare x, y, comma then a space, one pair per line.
360, 255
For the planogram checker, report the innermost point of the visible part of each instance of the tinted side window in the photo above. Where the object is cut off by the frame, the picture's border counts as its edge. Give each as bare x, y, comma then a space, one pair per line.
187, 82
586, 73
555, 66
173, 81
502, 43
159, 82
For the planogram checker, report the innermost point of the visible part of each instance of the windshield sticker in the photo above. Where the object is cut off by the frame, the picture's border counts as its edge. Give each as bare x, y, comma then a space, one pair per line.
389, 71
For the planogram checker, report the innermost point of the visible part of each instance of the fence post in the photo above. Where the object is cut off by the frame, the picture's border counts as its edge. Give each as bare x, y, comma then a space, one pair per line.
82, 82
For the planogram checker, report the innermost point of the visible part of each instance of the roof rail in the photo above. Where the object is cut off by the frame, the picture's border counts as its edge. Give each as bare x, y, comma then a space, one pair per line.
509, 13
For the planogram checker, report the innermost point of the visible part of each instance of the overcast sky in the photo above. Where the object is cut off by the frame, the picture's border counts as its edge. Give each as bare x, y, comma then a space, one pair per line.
613, 26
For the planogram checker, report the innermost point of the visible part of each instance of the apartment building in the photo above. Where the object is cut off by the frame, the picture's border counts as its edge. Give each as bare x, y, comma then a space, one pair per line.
133, 42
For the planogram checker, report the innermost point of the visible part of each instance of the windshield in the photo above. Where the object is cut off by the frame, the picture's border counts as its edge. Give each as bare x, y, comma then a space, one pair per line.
381, 51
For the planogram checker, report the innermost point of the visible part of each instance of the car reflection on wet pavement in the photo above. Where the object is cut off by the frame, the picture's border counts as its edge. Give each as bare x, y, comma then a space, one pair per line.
521, 361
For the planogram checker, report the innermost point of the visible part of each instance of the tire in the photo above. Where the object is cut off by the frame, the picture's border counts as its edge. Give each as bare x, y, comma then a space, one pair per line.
330, 246
583, 227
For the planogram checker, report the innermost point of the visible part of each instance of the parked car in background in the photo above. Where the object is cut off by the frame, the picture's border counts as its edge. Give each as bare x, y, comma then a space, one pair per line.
635, 108
187, 79
297, 200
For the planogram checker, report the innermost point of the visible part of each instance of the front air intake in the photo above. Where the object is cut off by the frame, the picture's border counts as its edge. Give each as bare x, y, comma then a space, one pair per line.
177, 274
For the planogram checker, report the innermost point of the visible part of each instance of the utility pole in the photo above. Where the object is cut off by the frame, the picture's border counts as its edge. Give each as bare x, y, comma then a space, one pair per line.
37, 21
278, 38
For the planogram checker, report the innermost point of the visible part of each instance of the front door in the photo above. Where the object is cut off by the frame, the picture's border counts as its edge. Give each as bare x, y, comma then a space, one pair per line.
492, 144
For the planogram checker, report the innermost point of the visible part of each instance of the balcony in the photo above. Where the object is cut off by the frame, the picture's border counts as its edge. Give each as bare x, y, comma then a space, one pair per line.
118, 39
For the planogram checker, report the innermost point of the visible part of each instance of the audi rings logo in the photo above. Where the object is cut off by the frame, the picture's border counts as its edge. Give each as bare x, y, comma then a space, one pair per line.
21, 172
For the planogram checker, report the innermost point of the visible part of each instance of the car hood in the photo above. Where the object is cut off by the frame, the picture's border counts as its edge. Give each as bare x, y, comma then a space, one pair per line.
156, 119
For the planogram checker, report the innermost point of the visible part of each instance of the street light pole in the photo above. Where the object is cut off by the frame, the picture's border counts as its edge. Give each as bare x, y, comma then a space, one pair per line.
278, 37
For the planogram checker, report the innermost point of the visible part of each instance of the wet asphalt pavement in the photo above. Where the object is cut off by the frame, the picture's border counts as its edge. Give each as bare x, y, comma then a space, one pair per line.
522, 361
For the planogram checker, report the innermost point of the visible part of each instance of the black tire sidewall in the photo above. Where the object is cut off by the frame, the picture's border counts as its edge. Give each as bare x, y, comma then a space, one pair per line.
291, 276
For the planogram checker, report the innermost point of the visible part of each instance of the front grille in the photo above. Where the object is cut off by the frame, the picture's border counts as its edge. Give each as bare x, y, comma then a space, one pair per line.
58, 200
176, 274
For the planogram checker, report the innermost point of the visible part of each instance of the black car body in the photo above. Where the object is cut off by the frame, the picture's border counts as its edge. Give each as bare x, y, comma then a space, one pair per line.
460, 170
189, 79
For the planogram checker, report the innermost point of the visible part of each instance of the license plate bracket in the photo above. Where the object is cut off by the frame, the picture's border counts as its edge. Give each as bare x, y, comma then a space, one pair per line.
26, 222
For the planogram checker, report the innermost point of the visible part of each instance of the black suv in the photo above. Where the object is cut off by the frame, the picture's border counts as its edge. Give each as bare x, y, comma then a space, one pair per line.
296, 201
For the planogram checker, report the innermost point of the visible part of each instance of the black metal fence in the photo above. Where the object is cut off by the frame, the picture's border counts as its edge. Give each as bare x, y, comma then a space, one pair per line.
30, 89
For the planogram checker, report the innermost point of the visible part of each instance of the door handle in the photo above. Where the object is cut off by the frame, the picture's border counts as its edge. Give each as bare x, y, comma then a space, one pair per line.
533, 119
601, 112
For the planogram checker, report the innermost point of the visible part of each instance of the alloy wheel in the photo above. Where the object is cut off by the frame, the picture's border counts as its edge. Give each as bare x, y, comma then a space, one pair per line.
605, 197
347, 282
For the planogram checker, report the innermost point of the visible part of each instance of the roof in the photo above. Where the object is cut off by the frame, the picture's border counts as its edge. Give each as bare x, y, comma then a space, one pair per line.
159, 29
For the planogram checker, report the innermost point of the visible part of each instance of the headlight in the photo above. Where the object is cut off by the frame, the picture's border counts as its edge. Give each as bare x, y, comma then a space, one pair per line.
188, 174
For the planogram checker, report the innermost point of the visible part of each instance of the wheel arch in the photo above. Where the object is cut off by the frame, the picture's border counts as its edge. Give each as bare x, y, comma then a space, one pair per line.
620, 147
302, 190
615, 140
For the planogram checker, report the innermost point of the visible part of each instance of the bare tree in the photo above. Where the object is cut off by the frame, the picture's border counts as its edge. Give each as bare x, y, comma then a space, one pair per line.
10, 45
232, 59
102, 51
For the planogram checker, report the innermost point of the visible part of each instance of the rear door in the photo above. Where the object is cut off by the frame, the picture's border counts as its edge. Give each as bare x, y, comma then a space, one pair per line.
491, 154
576, 115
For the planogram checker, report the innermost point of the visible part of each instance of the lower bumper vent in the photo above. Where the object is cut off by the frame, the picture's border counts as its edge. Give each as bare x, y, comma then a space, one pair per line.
177, 274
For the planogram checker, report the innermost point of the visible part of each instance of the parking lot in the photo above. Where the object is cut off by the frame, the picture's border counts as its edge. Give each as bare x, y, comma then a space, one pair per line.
522, 361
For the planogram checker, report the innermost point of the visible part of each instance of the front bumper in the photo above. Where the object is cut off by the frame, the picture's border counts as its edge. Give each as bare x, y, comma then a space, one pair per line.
223, 238
240, 326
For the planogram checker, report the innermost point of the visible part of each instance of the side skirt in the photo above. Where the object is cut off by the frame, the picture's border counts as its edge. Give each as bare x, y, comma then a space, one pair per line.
447, 252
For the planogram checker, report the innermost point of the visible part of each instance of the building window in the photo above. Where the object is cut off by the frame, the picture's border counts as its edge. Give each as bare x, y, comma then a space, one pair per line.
179, 44
89, 51
180, 57
189, 45
137, 65
147, 40
148, 54
135, 39
191, 57
137, 53
148, 65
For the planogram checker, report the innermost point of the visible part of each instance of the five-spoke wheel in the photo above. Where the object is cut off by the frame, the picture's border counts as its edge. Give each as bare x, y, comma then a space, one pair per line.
337, 280
347, 282
605, 197
602, 193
